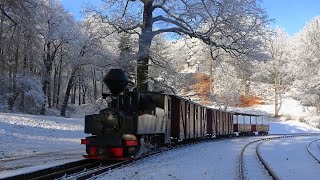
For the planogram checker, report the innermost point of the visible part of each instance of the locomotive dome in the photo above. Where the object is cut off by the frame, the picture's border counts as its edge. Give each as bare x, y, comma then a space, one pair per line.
116, 80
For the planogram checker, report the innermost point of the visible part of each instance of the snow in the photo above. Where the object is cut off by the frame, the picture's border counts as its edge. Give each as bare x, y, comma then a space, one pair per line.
252, 165
289, 127
314, 148
211, 160
31, 142
294, 118
289, 158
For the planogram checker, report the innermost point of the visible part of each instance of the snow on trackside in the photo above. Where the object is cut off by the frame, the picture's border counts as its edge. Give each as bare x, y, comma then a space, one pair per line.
289, 158
294, 118
28, 137
211, 160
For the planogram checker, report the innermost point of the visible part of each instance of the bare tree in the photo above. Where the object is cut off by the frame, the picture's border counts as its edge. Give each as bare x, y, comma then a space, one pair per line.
226, 24
308, 51
276, 47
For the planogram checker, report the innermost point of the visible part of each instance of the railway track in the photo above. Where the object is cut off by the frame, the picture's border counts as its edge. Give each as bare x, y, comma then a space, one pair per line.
57, 171
310, 151
102, 169
263, 162
85, 169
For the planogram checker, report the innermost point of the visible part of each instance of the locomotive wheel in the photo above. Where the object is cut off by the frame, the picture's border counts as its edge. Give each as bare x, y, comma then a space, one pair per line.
141, 149
132, 151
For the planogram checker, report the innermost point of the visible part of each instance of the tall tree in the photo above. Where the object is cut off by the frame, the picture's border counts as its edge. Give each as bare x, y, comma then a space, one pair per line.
308, 57
55, 28
276, 46
225, 24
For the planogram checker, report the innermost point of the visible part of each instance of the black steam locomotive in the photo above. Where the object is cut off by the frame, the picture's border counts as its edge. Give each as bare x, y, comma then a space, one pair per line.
133, 120
136, 121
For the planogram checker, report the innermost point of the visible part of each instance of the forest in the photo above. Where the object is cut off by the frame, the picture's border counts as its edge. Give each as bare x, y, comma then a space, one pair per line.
214, 51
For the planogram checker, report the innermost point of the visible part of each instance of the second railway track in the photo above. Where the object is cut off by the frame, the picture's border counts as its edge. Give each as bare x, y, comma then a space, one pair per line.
259, 142
308, 147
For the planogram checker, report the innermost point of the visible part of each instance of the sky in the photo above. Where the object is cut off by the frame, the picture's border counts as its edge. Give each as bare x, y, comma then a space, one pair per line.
290, 15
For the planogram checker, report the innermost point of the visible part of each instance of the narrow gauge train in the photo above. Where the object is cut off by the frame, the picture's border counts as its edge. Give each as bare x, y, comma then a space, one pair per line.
138, 120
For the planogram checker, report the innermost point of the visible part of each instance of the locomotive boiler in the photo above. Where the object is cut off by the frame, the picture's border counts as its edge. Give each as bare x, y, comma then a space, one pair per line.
132, 121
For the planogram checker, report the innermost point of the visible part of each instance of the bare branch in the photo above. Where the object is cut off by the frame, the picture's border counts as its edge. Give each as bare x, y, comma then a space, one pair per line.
6, 15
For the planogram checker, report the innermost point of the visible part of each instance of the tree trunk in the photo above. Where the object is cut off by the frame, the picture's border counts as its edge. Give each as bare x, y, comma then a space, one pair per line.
54, 93
22, 102
73, 97
276, 96
102, 84
144, 48
79, 91
45, 72
67, 94
2, 64
95, 89
49, 94
59, 80
11, 100
211, 78
47, 61
14, 71
84, 91
45, 88
246, 84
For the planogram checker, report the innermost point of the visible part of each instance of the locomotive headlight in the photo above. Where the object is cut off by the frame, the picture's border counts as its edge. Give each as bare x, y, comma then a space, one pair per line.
109, 99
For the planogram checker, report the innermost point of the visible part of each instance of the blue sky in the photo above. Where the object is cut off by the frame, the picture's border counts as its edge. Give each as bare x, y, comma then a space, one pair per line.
290, 15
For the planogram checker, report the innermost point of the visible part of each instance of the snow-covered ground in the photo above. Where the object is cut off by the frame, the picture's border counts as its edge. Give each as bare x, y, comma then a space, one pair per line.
211, 160
290, 159
220, 160
294, 118
31, 142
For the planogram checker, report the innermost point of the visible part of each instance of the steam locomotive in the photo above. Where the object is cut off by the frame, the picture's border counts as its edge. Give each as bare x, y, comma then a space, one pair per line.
136, 121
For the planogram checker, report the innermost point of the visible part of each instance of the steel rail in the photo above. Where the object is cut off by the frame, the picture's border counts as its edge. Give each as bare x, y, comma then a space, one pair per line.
56, 171
310, 151
264, 162
87, 168
103, 169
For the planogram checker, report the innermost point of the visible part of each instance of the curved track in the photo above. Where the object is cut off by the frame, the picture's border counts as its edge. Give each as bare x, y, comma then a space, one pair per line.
242, 169
310, 151
267, 167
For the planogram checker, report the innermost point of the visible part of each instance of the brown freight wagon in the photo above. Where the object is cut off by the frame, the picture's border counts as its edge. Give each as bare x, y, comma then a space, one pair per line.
220, 123
188, 119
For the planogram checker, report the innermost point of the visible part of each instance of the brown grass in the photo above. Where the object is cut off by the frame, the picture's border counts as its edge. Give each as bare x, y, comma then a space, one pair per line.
202, 87
250, 101
203, 84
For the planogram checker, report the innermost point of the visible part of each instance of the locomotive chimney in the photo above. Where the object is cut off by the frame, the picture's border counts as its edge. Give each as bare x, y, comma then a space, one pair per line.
116, 80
